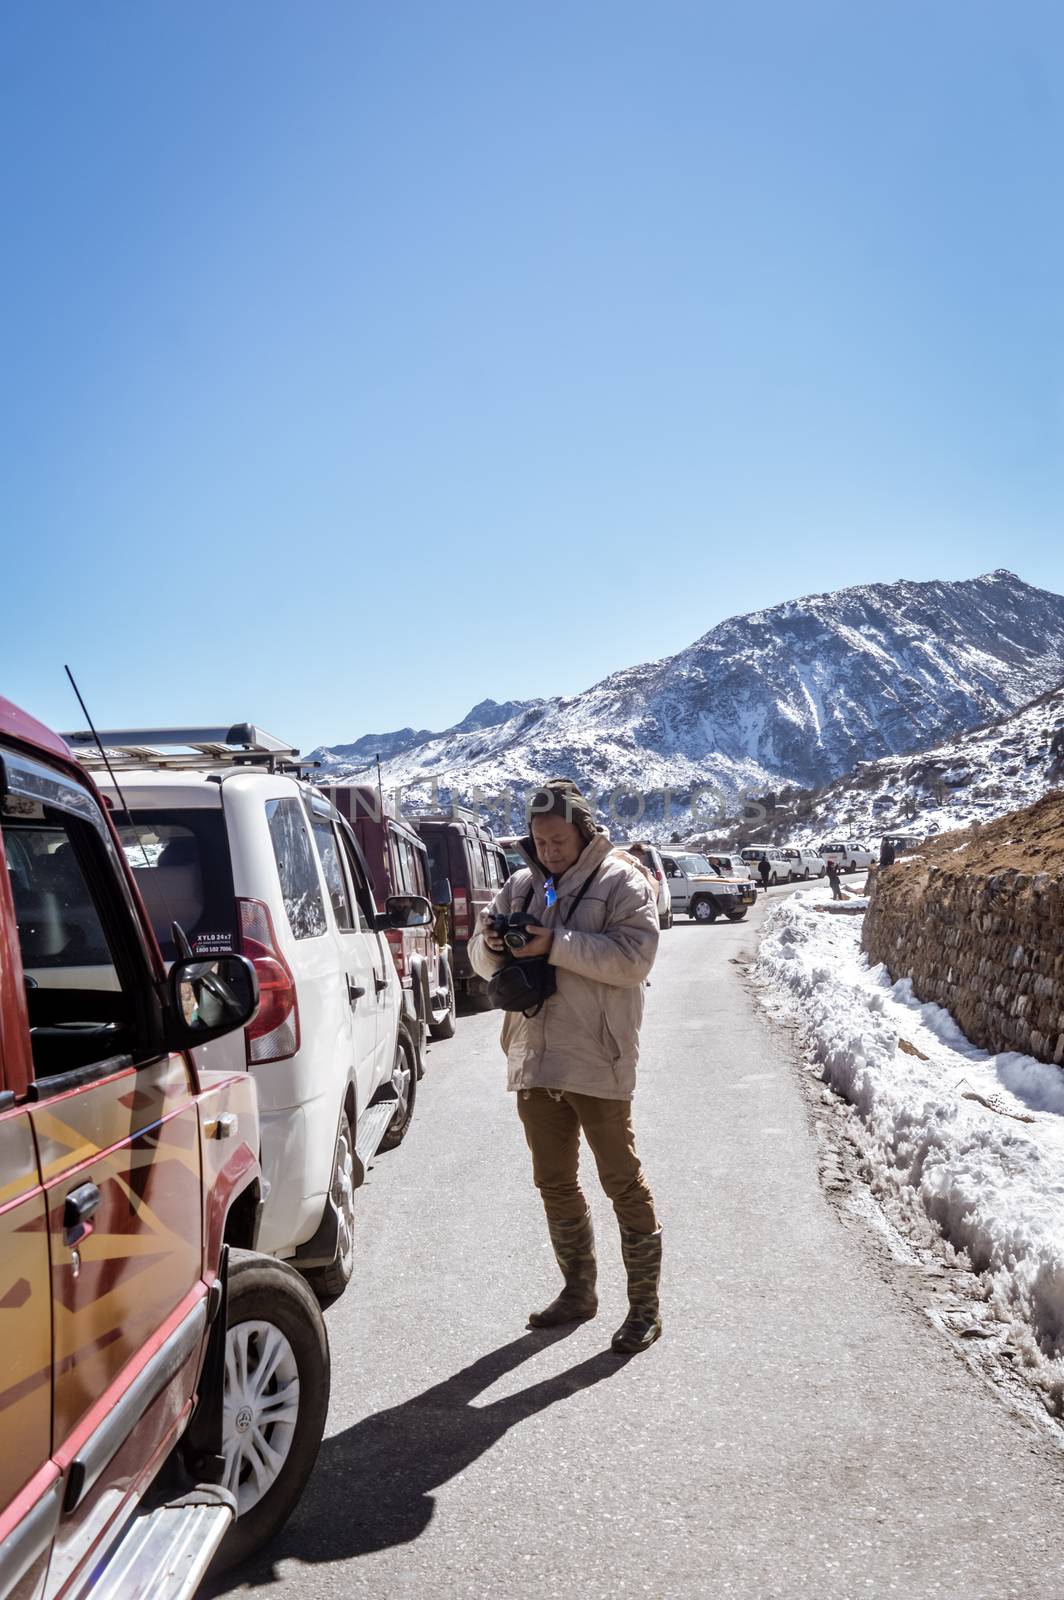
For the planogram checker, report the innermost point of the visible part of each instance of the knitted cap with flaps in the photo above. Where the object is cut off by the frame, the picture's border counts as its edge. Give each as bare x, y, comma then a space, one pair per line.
559, 797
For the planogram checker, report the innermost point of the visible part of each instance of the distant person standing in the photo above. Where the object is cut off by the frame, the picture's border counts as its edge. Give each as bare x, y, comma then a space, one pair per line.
833, 879
886, 854
764, 871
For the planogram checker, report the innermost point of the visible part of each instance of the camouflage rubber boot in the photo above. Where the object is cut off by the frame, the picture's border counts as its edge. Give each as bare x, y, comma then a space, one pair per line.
642, 1261
574, 1246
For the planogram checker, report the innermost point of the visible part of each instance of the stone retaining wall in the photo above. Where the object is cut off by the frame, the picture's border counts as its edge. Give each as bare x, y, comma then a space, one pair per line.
989, 947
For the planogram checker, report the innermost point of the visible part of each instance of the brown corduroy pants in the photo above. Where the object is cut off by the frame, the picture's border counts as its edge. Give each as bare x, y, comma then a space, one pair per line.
552, 1128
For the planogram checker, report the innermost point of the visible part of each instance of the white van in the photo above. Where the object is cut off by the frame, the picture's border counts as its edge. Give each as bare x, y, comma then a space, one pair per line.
850, 855
804, 864
227, 842
779, 866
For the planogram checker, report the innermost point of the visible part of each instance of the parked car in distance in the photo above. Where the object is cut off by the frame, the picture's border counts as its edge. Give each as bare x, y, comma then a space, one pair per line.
779, 866
650, 855
702, 893
463, 854
398, 863
850, 855
509, 847
225, 838
149, 1351
903, 844
804, 864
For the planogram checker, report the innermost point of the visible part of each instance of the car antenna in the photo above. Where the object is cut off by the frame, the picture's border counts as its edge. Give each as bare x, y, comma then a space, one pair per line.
178, 933
99, 746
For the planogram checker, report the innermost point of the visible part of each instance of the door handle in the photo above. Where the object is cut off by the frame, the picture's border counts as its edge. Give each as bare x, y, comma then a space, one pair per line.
79, 1205
354, 992
380, 982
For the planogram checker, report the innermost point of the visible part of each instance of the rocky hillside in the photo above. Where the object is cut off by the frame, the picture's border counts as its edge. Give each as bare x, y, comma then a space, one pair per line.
794, 695
973, 777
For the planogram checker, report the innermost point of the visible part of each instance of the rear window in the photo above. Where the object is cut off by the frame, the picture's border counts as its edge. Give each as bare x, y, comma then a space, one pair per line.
180, 861
439, 859
300, 886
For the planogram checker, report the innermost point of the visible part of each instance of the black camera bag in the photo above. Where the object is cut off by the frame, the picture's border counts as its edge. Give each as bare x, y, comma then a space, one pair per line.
526, 986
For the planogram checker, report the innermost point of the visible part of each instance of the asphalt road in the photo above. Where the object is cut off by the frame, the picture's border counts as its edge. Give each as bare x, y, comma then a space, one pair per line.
800, 1429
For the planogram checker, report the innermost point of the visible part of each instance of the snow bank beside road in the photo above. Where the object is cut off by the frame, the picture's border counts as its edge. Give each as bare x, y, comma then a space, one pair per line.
959, 1144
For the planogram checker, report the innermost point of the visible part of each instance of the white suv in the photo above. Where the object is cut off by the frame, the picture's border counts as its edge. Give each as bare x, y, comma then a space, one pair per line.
227, 842
850, 855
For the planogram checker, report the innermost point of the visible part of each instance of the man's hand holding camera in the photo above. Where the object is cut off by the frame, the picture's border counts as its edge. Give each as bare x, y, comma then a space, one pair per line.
518, 935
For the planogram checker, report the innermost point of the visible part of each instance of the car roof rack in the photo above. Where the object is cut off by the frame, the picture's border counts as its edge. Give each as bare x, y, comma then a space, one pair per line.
238, 744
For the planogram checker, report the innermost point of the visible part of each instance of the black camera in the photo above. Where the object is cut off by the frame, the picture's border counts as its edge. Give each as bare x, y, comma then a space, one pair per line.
513, 930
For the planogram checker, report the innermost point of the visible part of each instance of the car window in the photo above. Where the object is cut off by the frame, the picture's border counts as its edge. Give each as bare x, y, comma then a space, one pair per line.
359, 880
180, 860
420, 883
300, 887
84, 966
439, 861
475, 857
335, 882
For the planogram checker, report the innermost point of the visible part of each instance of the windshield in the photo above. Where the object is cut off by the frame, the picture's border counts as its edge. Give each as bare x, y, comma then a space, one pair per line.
180, 861
694, 866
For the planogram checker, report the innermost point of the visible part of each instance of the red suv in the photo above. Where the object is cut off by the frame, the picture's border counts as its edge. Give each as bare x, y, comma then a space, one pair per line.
468, 867
398, 863
158, 1379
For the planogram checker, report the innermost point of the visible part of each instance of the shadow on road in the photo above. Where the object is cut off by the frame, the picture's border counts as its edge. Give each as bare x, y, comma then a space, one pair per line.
372, 1486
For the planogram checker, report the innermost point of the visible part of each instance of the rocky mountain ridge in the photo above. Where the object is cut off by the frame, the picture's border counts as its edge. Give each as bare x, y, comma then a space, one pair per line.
791, 695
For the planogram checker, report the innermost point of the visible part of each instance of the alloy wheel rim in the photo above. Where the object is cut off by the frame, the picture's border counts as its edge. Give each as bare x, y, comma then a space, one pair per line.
401, 1084
344, 1196
261, 1409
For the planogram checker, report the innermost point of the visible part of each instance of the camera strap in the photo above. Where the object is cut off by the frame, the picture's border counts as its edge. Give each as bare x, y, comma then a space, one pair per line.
563, 916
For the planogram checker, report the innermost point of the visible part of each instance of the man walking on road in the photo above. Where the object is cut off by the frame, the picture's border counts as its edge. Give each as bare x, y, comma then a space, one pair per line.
764, 871
572, 1059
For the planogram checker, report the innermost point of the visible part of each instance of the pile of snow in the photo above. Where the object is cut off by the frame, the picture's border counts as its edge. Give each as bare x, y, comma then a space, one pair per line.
962, 1148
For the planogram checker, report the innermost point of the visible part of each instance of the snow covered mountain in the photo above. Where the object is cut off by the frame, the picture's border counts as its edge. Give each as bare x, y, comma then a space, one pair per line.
793, 695
973, 777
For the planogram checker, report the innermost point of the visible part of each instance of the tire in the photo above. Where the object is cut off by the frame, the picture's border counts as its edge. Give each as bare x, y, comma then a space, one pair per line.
445, 1029
805, 875
736, 916
774, 880
852, 867
330, 1282
404, 1077
667, 924
275, 1325
703, 910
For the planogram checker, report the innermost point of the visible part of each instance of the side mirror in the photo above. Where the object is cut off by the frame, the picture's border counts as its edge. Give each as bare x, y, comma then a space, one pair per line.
209, 998
405, 911
441, 892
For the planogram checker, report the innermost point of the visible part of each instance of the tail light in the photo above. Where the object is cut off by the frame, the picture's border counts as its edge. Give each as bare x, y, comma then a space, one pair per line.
460, 911
659, 875
395, 942
273, 1034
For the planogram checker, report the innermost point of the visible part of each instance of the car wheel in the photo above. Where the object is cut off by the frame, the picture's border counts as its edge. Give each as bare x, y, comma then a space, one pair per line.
736, 916
703, 911
668, 921
276, 1397
445, 1027
774, 880
853, 866
404, 1082
330, 1282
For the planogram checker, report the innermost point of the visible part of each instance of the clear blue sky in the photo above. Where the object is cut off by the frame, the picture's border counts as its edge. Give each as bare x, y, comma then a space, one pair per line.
362, 361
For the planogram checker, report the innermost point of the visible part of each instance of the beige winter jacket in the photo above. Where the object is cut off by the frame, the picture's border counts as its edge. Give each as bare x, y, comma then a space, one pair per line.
586, 1037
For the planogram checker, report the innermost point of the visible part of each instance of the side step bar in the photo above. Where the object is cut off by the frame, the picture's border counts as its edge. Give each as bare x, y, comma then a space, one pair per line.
373, 1125
166, 1550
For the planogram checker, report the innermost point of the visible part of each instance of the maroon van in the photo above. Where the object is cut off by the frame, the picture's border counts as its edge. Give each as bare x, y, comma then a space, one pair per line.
468, 867
398, 864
